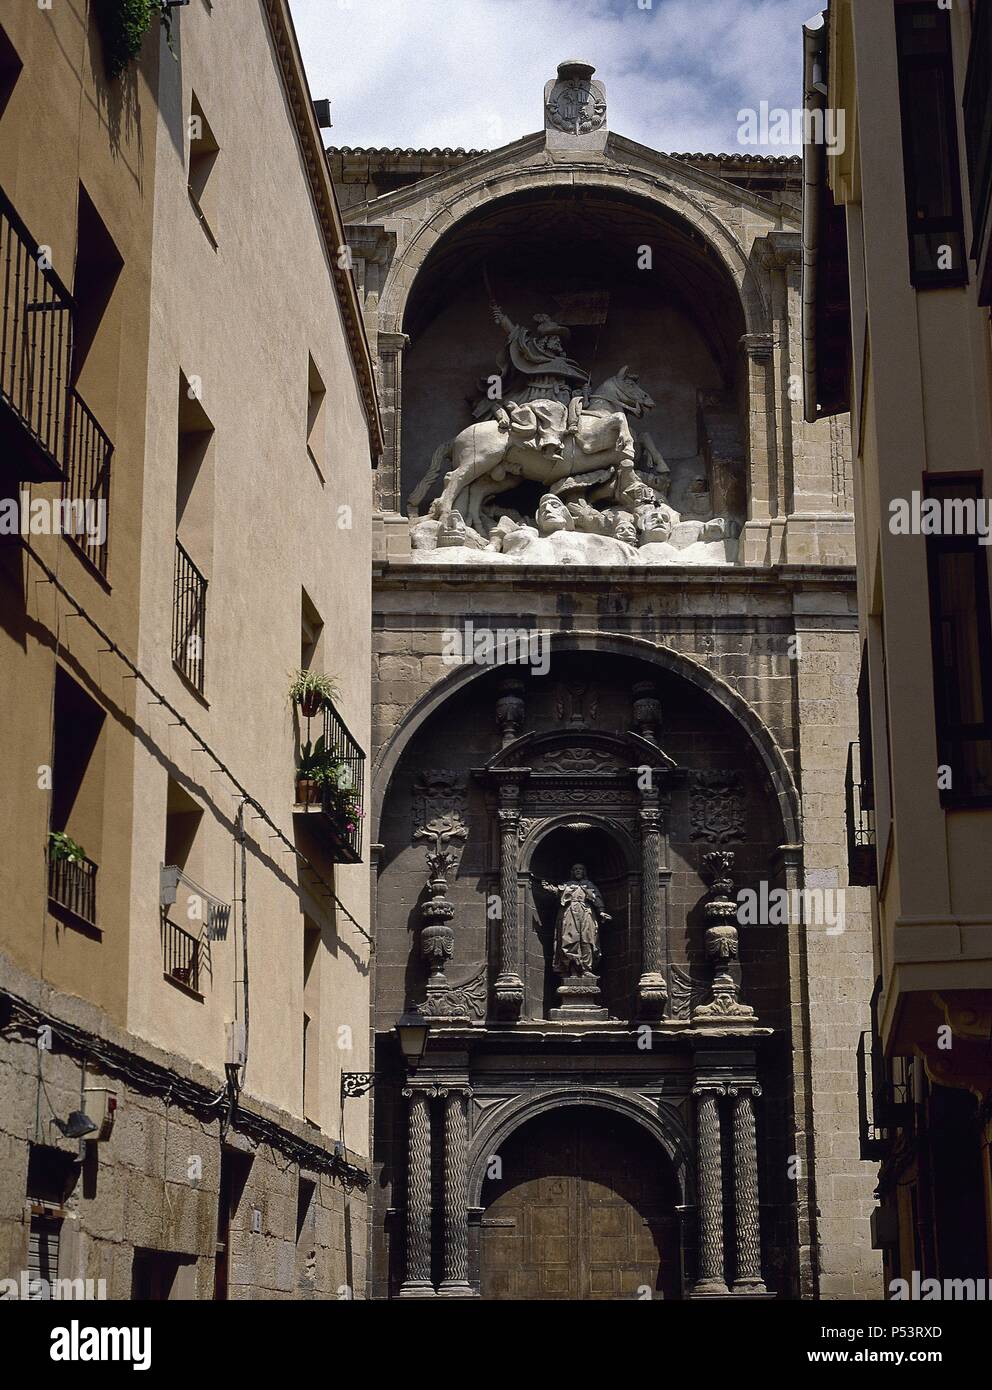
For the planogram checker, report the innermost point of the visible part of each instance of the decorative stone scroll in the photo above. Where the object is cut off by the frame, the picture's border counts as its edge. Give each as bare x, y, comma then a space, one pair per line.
465, 1001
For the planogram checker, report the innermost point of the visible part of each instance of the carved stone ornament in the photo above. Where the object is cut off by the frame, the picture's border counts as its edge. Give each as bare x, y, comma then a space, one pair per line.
458, 1001
721, 943
716, 807
576, 105
577, 760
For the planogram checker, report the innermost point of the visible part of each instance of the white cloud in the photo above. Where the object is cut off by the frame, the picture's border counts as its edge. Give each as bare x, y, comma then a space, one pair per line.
472, 72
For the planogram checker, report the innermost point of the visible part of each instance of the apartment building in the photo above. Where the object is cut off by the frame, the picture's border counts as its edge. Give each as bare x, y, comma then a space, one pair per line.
188, 427
897, 294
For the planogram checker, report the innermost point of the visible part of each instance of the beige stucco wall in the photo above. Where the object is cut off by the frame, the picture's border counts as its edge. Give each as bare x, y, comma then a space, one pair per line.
243, 318
62, 127
925, 407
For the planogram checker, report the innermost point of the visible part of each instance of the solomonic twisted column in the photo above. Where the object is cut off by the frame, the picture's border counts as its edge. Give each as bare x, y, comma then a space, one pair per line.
509, 986
748, 1277
652, 990
417, 1283
709, 1163
455, 1282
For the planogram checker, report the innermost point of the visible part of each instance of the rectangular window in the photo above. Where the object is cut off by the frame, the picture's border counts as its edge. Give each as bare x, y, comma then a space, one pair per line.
194, 532
10, 68
203, 152
311, 1021
316, 418
962, 646
185, 946
77, 803
930, 147
311, 628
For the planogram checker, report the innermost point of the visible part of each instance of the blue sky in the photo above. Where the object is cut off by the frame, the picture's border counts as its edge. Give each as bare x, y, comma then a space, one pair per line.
471, 72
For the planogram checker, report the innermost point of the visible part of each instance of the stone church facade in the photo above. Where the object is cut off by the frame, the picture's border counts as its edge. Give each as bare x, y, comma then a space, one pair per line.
600, 730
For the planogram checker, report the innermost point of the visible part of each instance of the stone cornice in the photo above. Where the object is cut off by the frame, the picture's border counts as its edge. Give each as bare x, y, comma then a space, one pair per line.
322, 190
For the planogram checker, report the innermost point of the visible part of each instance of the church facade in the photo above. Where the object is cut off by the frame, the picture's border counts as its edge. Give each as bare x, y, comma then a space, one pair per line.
615, 671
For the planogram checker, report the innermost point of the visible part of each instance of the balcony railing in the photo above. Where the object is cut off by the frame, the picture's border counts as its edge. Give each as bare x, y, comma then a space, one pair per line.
343, 802
72, 886
86, 490
861, 865
181, 955
189, 615
35, 348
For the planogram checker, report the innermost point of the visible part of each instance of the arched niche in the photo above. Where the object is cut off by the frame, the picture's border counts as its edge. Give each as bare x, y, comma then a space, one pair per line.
642, 282
610, 859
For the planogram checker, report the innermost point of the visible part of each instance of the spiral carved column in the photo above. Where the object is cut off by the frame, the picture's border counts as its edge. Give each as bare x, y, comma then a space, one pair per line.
417, 1283
652, 990
748, 1274
509, 987
455, 1282
709, 1161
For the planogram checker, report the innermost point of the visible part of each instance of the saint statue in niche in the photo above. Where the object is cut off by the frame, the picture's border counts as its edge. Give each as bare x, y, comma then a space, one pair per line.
580, 915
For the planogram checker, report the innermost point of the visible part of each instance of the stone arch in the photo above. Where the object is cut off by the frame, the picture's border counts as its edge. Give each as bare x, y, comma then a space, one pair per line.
656, 1119
772, 758
610, 827
653, 189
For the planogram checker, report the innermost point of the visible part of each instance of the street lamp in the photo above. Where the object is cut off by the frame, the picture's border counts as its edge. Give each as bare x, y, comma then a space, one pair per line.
411, 1030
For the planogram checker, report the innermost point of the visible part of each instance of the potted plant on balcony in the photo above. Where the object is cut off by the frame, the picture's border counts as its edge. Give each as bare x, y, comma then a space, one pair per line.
317, 768
312, 691
63, 847
341, 802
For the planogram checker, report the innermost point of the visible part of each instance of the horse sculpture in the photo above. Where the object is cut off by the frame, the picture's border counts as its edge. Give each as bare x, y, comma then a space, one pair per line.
488, 458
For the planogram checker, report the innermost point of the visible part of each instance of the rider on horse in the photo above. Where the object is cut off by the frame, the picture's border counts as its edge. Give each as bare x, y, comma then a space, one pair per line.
541, 402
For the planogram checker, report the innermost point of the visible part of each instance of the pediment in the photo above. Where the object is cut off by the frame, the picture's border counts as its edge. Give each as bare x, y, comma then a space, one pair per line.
583, 753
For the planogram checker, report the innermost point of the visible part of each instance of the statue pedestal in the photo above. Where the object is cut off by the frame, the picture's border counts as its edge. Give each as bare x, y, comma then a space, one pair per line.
579, 996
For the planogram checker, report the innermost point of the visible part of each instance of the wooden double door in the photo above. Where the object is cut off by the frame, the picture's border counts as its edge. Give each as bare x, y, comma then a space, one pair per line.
583, 1208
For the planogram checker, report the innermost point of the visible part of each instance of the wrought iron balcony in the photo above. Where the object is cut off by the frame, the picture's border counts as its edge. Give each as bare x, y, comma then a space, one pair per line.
86, 488
861, 863
883, 1105
72, 887
189, 617
339, 800
181, 953
35, 353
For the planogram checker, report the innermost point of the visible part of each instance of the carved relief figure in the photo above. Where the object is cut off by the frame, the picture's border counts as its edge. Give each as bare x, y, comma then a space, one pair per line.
580, 915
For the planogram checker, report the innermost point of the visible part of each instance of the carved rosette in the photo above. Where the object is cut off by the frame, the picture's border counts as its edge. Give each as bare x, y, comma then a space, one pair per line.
721, 942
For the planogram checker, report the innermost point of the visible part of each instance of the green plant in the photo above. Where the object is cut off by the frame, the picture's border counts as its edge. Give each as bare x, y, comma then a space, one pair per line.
123, 26
312, 685
63, 846
317, 764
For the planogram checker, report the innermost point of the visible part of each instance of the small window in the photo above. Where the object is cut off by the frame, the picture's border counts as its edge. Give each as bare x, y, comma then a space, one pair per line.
930, 147
77, 803
98, 266
311, 1021
10, 68
962, 644
316, 419
194, 533
311, 629
203, 152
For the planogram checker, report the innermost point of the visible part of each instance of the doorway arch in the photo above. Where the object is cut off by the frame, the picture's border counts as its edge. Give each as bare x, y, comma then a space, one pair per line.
582, 1204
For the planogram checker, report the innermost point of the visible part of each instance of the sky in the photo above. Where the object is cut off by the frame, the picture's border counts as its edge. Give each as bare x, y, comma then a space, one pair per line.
471, 73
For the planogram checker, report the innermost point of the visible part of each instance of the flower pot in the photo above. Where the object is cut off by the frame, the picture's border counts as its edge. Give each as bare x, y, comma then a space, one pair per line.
311, 703
307, 792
